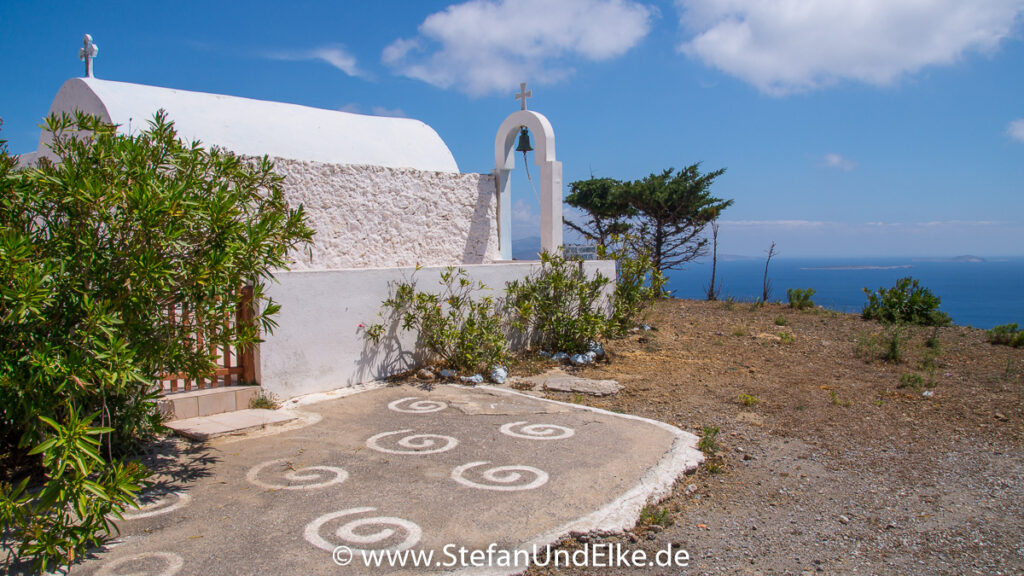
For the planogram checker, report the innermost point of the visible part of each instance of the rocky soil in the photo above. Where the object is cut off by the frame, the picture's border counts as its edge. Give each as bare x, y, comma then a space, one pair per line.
829, 459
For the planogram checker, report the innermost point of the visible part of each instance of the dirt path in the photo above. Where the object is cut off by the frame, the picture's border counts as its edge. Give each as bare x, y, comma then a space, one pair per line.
835, 461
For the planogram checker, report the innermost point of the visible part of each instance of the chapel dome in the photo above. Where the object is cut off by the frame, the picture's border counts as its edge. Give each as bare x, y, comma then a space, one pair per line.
257, 127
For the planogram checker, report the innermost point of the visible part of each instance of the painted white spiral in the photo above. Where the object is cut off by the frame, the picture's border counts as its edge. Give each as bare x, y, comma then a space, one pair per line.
306, 478
501, 478
413, 444
391, 533
164, 504
537, 431
419, 406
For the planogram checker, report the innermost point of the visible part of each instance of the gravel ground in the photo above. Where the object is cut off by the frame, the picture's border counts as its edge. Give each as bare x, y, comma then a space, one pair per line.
843, 465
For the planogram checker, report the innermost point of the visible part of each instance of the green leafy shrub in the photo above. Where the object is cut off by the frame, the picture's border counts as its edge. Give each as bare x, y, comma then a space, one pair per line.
72, 509
748, 400
94, 250
457, 325
1007, 335
708, 443
781, 321
558, 307
906, 302
637, 284
264, 400
800, 299
654, 516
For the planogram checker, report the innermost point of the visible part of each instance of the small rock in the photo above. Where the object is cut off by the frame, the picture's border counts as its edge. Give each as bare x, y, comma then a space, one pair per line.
655, 528
1001, 417
424, 374
475, 379
843, 519
559, 356
690, 489
580, 360
597, 349
928, 393
559, 381
499, 374
645, 328
448, 373
544, 354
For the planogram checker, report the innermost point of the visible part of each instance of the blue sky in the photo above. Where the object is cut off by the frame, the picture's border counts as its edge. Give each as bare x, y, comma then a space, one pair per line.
866, 127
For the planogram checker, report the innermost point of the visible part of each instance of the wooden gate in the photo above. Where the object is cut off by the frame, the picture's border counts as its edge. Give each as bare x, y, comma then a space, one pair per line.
234, 366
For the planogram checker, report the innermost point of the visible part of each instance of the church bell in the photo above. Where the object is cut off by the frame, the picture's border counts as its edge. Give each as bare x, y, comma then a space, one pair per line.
524, 141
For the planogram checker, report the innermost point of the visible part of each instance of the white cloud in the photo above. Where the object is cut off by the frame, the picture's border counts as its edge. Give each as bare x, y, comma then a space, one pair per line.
781, 224
392, 112
354, 108
489, 46
839, 162
333, 55
1016, 130
785, 46
522, 213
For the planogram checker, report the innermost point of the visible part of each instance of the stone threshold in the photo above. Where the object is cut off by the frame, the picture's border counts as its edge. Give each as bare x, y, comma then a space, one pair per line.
204, 428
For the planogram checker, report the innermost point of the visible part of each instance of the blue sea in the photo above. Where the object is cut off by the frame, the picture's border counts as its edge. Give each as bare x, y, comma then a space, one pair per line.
979, 294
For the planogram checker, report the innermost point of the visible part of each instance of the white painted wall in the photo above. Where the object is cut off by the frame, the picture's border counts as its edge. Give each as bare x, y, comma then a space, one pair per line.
318, 345
378, 217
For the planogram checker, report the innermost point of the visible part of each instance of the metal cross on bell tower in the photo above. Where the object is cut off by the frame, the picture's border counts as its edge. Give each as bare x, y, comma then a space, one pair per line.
86, 53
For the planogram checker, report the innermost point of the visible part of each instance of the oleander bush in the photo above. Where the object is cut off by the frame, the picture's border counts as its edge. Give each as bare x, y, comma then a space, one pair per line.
461, 325
558, 307
94, 249
638, 283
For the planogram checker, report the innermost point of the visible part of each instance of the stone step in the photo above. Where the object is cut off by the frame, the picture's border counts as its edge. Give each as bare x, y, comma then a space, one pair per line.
196, 403
207, 427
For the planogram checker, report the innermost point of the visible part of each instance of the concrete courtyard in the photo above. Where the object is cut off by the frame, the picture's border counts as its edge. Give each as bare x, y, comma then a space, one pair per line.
445, 471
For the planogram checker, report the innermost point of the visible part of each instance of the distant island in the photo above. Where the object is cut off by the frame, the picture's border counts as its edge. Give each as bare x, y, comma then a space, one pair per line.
964, 258
863, 267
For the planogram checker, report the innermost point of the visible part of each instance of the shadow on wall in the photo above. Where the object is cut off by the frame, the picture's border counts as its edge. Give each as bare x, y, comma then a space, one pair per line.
391, 356
483, 226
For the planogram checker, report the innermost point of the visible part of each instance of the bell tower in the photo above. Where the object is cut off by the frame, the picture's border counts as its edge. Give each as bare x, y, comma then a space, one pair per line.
550, 175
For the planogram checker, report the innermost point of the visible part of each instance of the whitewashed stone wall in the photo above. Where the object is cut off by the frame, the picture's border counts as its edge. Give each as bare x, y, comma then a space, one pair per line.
319, 344
376, 217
